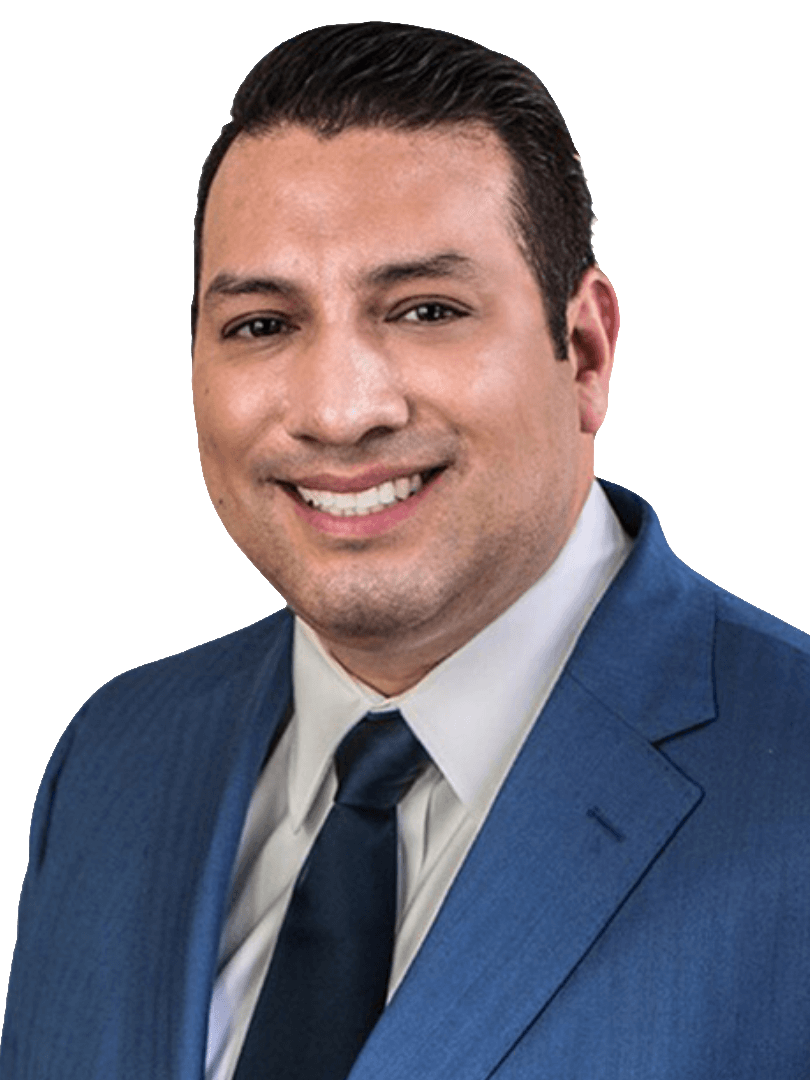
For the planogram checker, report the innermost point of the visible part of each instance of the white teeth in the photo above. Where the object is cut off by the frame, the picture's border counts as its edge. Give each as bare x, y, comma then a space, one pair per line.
366, 499
359, 503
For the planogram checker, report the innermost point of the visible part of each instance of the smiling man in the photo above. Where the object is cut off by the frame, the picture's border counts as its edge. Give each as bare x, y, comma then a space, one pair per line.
384, 427
507, 790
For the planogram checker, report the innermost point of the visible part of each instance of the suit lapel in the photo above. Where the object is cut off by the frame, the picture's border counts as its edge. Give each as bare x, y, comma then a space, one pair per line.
585, 810
246, 726
587, 807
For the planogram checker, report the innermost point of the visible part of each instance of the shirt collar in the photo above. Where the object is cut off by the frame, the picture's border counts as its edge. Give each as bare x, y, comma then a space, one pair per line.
472, 711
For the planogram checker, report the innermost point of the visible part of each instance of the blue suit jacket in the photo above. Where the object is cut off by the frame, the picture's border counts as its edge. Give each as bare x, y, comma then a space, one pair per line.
636, 907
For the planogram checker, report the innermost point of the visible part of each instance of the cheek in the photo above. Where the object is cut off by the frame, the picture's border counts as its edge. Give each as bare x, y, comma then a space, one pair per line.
476, 385
233, 409
545, 420
517, 402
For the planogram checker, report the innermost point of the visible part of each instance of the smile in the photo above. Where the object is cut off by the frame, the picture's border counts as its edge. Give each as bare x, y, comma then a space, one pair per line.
364, 514
371, 501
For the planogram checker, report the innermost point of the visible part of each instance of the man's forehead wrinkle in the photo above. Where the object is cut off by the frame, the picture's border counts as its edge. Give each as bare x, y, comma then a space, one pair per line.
442, 265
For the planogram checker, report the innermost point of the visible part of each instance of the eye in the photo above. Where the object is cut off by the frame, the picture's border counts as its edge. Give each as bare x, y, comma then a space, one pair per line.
431, 311
257, 327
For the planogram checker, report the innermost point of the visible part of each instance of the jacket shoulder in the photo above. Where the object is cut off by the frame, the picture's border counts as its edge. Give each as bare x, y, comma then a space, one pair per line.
164, 709
762, 673
736, 614
204, 667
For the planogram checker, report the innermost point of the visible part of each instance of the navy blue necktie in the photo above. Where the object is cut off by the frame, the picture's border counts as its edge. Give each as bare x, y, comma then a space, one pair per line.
328, 979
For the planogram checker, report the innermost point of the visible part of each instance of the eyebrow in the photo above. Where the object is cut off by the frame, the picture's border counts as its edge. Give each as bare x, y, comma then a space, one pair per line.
444, 265
447, 264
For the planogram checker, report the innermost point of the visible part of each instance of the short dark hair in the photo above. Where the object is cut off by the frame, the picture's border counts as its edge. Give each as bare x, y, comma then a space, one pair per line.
378, 74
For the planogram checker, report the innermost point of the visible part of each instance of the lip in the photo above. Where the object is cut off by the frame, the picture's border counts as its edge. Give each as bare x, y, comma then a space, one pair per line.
367, 525
361, 482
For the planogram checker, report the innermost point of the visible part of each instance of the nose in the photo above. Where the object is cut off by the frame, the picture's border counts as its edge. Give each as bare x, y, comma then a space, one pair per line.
343, 387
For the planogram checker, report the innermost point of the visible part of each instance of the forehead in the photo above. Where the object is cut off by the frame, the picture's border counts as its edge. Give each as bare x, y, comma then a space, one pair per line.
291, 191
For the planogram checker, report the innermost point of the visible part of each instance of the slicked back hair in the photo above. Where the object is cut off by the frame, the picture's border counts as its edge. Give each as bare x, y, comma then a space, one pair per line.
407, 78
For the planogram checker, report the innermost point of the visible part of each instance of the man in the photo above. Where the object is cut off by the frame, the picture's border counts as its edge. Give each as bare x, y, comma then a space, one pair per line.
507, 790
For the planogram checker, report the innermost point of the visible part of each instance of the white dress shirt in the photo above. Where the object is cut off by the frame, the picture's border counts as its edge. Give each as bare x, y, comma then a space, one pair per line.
472, 713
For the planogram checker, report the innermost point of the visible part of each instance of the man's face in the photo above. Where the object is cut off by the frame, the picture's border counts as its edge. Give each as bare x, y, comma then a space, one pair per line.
371, 339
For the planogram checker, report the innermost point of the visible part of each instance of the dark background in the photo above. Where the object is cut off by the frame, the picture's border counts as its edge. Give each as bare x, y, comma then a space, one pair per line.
125, 559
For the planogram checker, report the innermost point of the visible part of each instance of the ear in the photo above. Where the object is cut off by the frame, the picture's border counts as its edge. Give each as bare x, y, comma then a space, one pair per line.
593, 326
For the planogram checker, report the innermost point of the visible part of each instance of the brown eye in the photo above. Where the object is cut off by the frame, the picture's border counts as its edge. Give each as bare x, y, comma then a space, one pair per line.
260, 326
430, 312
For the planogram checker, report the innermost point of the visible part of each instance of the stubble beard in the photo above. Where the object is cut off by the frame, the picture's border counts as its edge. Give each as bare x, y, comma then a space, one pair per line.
368, 608
446, 598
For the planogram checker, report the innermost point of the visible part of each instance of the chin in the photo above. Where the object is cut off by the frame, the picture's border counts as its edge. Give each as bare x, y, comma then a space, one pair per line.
366, 616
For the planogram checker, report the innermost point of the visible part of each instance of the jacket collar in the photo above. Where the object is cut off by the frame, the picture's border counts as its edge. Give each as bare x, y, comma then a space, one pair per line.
647, 650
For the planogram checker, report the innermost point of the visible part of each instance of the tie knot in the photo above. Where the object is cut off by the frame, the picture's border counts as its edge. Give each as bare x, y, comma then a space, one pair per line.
378, 761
